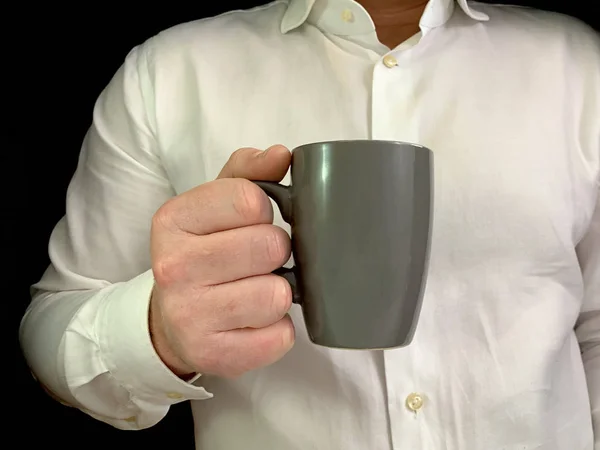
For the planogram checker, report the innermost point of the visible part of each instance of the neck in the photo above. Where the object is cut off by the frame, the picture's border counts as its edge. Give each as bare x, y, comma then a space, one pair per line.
395, 20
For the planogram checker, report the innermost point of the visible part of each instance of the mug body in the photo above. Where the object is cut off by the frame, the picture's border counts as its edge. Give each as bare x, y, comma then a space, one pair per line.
361, 225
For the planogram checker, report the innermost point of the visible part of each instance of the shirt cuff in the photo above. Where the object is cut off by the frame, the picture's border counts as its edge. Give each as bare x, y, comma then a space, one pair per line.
127, 350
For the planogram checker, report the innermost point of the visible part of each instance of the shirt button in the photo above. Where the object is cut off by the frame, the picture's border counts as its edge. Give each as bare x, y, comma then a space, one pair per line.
389, 61
414, 402
347, 15
174, 395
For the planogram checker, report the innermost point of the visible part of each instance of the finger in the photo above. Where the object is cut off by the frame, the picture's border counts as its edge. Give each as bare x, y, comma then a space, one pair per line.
253, 164
236, 254
216, 206
255, 302
250, 348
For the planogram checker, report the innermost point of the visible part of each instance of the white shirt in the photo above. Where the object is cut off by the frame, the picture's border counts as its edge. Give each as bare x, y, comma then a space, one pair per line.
507, 98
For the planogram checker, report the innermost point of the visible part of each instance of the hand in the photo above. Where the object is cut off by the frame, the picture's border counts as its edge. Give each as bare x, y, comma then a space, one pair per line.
216, 308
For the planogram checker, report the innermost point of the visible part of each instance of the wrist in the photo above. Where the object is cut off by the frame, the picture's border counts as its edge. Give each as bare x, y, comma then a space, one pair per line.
161, 343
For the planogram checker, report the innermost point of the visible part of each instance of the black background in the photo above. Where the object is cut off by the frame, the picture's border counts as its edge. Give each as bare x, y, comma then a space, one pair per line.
56, 62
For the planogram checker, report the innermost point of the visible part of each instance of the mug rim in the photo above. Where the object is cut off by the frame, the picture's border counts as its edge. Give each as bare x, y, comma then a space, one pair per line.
355, 141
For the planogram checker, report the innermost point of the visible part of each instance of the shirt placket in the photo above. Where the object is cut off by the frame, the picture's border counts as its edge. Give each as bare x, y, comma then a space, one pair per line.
390, 121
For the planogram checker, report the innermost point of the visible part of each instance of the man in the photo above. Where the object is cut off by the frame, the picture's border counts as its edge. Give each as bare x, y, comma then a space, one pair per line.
160, 288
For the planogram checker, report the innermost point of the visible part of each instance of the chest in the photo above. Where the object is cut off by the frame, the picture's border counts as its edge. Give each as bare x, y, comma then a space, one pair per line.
508, 171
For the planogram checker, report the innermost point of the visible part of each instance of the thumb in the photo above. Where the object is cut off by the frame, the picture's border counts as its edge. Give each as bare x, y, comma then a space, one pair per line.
253, 164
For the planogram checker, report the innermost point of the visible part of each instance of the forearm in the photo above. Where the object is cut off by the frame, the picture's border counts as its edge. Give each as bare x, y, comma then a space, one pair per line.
592, 368
92, 350
588, 324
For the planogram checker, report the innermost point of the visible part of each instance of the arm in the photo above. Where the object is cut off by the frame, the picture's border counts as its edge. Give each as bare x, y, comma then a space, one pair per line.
85, 335
588, 250
588, 326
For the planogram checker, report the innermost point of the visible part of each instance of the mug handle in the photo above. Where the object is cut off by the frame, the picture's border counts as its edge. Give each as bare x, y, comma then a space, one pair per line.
282, 196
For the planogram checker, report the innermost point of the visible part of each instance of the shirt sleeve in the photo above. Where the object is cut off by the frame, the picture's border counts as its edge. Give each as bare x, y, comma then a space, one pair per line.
588, 326
584, 103
85, 334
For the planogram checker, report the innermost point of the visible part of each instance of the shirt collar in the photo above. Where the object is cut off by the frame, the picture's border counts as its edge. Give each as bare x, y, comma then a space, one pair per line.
329, 15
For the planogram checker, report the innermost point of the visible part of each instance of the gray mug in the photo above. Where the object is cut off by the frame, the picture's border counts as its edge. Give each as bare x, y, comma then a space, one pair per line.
361, 215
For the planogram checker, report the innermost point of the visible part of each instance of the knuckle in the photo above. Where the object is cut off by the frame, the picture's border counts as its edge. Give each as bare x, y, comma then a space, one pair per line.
235, 157
213, 254
229, 307
168, 269
208, 251
248, 201
235, 162
163, 217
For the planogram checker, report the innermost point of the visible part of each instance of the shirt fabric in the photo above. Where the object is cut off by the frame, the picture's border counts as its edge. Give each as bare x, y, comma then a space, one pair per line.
506, 354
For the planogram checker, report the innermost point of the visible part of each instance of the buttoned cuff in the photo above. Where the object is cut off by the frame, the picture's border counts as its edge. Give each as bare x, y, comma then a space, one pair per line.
127, 350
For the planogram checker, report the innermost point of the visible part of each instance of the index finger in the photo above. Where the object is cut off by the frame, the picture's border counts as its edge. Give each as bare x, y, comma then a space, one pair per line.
228, 203
215, 206
253, 164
